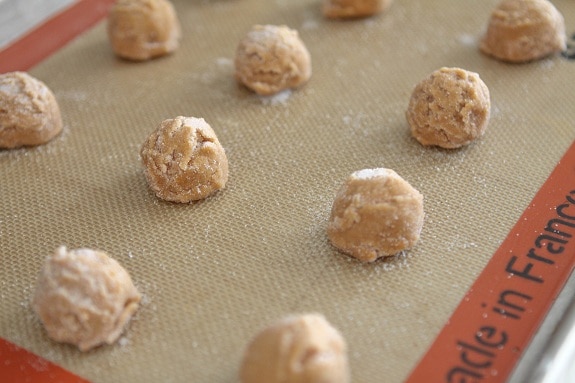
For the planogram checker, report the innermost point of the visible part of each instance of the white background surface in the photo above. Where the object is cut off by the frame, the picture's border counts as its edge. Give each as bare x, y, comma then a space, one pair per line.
18, 16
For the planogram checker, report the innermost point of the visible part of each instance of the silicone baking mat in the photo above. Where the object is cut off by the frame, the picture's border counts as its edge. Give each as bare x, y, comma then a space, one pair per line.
215, 272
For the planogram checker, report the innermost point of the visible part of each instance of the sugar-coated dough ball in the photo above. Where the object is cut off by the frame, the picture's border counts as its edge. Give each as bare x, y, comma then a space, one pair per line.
143, 29
29, 112
376, 213
347, 9
272, 58
184, 161
297, 349
84, 297
524, 30
450, 108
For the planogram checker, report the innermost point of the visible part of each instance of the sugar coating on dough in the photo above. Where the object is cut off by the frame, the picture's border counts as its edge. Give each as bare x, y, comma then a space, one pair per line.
450, 108
524, 30
29, 112
376, 213
184, 160
143, 29
297, 349
348, 9
272, 58
84, 297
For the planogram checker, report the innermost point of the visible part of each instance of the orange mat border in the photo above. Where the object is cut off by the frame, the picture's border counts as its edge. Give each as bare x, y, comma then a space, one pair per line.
16, 363
504, 308
20, 365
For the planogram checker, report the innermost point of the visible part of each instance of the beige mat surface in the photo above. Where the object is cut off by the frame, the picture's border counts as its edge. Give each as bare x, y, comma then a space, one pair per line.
215, 272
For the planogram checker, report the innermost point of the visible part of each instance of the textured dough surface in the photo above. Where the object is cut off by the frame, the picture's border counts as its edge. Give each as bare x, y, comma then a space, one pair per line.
450, 108
184, 161
272, 58
344, 9
297, 349
84, 297
29, 112
143, 29
524, 30
376, 213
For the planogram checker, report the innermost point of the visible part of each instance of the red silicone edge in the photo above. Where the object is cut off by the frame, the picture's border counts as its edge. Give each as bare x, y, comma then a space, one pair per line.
499, 315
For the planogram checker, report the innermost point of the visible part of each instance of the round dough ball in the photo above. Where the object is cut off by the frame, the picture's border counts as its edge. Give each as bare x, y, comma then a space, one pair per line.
297, 349
29, 112
272, 58
143, 29
376, 213
524, 30
450, 108
184, 161
84, 297
348, 9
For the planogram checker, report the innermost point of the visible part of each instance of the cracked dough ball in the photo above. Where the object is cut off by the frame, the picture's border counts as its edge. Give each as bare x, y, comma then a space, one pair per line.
184, 161
143, 29
376, 213
524, 30
84, 297
297, 349
272, 58
29, 112
450, 108
347, 9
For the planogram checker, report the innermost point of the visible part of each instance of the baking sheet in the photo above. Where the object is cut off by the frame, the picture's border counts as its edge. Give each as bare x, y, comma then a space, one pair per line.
215, 272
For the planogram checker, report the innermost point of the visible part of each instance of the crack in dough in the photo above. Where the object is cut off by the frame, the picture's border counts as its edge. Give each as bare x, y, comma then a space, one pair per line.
29, 112
376, 213
450, 108
184, 160
272, 58
84, 297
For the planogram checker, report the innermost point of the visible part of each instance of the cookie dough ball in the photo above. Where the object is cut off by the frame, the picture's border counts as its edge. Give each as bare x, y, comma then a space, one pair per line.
450, 108
524, 30
376, 213
29, 112
184, 161
348, 9
297, 349
272, 58
84, 297
143, 29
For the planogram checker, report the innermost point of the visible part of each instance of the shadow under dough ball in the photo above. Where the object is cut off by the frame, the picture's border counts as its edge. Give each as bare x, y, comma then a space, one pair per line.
29, 112
450, 108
